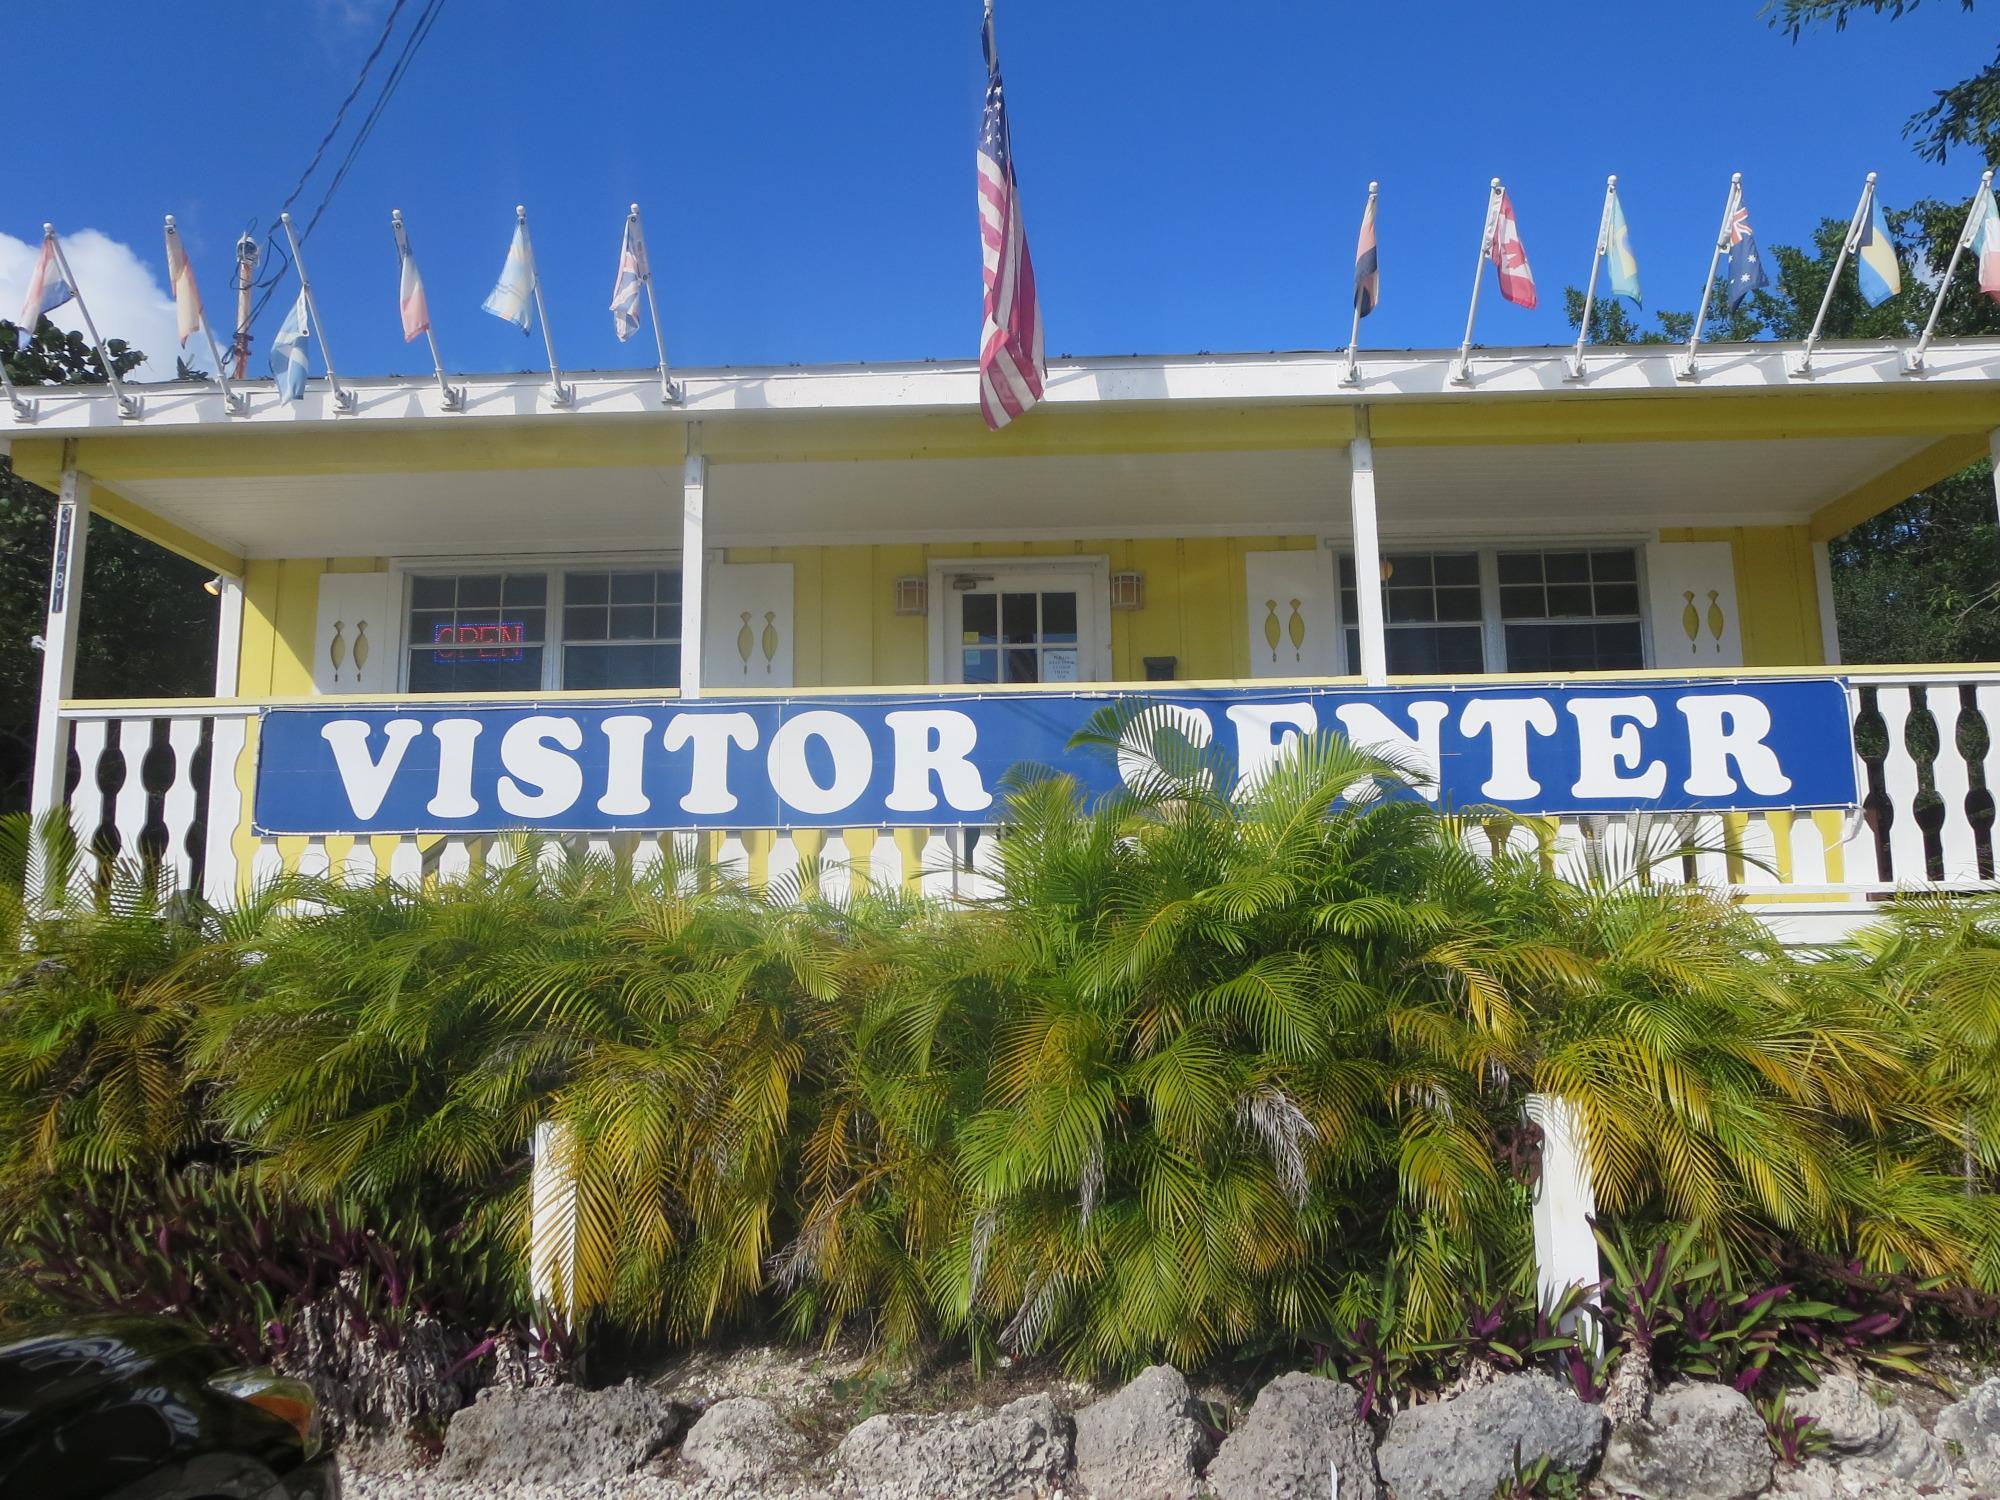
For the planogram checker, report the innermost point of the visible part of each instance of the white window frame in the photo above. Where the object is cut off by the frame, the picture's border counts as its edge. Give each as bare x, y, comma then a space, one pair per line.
1493, 629
1093, 572
554, 564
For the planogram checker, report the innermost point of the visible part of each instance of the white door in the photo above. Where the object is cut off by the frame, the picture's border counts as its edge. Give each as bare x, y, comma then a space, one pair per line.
1003, 626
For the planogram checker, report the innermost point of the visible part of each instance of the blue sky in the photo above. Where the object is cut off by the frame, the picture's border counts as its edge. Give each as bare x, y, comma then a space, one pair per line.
1193, 173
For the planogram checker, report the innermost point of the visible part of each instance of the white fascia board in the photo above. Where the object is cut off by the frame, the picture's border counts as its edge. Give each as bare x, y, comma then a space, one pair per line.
1314, 377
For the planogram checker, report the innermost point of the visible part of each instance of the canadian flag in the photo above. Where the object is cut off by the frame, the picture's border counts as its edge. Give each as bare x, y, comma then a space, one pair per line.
1510, 257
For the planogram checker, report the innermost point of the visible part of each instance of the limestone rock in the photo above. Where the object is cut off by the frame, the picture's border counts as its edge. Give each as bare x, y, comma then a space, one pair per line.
744, 1442
1974, 1424
1020, 1451
1144, 1443
1300, 1431
1823, 1479
1461, 1448
555, 1434
1702, 1442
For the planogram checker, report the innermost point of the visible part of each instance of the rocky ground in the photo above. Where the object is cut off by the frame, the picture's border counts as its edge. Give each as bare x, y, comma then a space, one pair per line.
772, 1424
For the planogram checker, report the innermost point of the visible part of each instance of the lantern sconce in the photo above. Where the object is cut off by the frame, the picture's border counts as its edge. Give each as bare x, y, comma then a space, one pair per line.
913, 596
1128, 590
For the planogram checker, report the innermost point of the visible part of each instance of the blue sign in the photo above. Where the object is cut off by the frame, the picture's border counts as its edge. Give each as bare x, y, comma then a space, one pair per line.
929, 760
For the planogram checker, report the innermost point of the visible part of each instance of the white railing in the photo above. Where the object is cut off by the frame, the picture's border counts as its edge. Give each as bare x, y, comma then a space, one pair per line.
168, 785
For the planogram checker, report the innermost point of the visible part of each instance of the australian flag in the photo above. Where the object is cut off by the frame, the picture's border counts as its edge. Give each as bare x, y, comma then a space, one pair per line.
1746, 263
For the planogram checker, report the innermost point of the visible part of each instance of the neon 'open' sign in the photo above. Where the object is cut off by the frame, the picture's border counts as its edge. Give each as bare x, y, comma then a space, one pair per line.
462, 644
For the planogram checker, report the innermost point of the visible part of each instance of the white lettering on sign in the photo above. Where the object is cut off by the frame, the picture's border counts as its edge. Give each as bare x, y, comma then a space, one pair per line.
454, 797
792, 777
935, 742
1725, 727
526, 752
365, 779
1259, 744
625, 766
1603, 747
1415, 754
1508, 720
711, 735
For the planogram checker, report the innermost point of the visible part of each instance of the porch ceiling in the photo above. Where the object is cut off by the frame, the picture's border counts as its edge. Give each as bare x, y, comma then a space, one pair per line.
1581, 488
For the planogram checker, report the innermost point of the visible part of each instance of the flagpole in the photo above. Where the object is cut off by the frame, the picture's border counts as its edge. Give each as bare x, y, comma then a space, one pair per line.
1463, 375
562, 395
669, 392
129, 405
233, 400
1353, 376
1689, 370
1847, 248
343, 399
1973, 216
1590, 287
454, 396
25, 410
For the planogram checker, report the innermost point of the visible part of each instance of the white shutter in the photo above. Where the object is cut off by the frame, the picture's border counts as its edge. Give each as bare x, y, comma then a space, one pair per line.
354, 641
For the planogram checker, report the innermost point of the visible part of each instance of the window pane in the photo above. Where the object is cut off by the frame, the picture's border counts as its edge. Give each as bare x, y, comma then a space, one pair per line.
630, 622
649, 666
586, 588
631, 588
474, 671
1457, 567
1404, 606
433, 593
1617, 598
1409, 569
588, 623
1059, 617
517, 589
1614, 567
982, 621
1520, 567
1024, 665
480, 589
668, 586
1521, 601
1569, 600
532, 624
1017, 620
982, 666
1347, 572
1458, 604
1566, 567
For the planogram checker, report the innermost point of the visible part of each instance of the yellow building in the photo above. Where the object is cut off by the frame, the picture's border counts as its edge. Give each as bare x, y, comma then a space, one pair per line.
1250, 522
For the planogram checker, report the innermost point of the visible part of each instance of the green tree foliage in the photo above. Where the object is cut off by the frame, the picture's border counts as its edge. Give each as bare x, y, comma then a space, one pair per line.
148, 629
1205, 1072
1964, 115
1921, 581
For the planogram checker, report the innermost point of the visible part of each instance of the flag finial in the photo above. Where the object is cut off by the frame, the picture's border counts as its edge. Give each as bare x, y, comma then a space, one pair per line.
635, 211
1612, 180
521, 212
1374, 187
396, 217
1871, 179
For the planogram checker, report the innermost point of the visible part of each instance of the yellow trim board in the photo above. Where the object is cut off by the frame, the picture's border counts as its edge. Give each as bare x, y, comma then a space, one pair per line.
1897, 483
1687, 417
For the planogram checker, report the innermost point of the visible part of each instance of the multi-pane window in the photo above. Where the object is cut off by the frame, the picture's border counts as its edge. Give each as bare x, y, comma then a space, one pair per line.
1556, 609
1571, 611
621, 629
477, 632
1432, 612
1020, 637
491, 632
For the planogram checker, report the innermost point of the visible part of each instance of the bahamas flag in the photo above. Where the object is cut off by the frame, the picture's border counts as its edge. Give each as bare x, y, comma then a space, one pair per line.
513, 296
1367, 267
1875, 258
1618, 257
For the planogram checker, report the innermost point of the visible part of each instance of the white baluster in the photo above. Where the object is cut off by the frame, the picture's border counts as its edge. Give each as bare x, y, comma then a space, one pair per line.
406, 865
86, 803
885, 862
1758, 844
984, 883
358, 867
1808, 851
135, 739
781, 874
454, 860
1900, 781
267, 864
1986, 698
732, 857
225, 810
836, 869
183, 740
1954, 783
687, 850
937, 864
1707, 836
647, 856
313, 862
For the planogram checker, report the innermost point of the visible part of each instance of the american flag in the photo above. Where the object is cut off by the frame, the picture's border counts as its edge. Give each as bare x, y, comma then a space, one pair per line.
1011, 367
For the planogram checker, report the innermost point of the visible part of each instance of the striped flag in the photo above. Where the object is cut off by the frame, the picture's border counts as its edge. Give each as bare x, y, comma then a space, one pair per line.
1875, 257
1510, 256
415, 305
180, 276
48, 288
1367, 267
1011, 365
630, 282
513, 295
1619, 260
1986, 245
288, 352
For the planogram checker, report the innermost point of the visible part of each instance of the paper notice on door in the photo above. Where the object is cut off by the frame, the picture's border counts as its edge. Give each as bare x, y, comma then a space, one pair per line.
1059, 666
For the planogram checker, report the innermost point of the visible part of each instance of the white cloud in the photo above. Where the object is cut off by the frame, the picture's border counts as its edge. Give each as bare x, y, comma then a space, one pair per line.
126, 298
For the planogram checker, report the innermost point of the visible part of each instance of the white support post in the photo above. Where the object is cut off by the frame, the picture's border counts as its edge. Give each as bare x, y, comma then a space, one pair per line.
1367, 553
1565, 1203
1993, 451
1829, 618
552, 1210
59, 636
694, 560
228, 635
